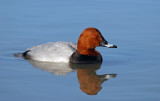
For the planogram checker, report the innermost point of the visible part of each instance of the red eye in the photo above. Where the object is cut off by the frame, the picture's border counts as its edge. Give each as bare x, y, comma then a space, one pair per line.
94, 35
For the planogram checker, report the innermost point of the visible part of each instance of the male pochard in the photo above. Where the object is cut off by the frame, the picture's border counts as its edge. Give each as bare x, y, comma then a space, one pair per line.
83, 52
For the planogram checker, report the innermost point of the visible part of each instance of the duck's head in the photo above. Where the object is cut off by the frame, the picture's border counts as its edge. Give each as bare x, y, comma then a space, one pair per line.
89, 39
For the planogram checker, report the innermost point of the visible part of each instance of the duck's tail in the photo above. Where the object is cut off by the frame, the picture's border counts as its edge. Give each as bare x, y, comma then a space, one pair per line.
21, 54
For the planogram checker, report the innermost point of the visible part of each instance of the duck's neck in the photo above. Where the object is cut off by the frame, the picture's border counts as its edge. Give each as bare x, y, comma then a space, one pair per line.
90, 52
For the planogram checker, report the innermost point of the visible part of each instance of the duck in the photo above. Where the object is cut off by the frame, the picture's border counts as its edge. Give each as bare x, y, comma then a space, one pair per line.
83, 52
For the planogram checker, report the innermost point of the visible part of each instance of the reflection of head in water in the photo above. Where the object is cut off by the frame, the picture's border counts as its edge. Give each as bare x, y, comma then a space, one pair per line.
89, 81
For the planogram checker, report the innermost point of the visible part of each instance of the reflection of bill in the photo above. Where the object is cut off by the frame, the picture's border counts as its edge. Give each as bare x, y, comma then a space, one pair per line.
89, 81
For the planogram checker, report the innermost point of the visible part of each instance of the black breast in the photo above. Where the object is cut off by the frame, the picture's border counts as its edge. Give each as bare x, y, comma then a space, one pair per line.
78, 58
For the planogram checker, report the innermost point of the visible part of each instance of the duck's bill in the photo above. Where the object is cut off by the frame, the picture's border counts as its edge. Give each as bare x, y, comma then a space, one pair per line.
110, 45
104, 43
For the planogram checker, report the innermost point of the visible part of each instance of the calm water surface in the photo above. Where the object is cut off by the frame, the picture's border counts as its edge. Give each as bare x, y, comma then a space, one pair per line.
134, 26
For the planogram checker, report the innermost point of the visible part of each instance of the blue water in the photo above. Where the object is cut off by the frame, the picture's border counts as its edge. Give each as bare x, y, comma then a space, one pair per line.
132, 25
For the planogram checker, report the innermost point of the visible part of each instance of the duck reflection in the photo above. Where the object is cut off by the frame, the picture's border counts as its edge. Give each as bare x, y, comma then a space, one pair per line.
54, 68
89, 81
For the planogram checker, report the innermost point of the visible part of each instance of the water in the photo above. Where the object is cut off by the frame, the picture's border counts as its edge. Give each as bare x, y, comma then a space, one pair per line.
132, 25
